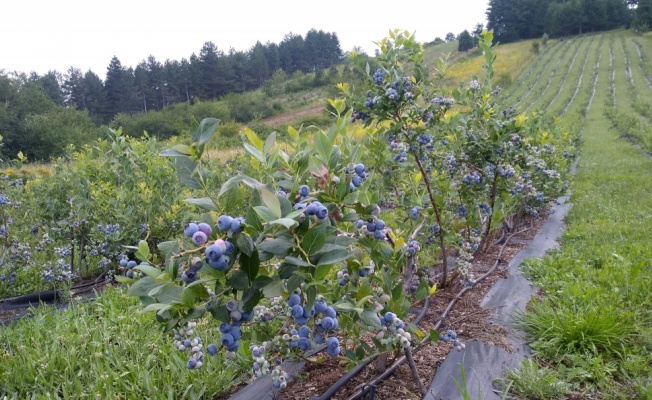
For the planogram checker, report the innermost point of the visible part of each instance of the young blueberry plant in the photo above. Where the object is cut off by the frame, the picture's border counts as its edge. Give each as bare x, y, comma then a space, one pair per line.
458, 161
291, 255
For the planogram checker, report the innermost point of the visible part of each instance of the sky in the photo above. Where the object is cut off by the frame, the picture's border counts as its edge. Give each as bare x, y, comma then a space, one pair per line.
43, 35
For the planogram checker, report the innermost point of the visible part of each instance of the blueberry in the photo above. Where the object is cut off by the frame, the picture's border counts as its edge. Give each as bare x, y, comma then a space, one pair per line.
378, 234
320, 306
390, 317
304, 190
236, 224
356, 181
380, 224
304, 344
328, 323
297, 311
322, 212
333, 342
190, 229
294, 300
131, 264
123, 262
224, 222
219, 263
227, 339
199, 238
213, 252
212, 349
333, 352
225, 327
204, 227
330, 312
192, 363
359, 168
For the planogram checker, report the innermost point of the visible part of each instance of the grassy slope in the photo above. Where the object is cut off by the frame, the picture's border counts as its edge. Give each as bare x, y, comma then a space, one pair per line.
594, 324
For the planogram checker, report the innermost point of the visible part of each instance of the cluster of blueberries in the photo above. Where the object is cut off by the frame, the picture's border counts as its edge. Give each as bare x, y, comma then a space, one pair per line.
129, 265
184, 341
451, 335
373, 227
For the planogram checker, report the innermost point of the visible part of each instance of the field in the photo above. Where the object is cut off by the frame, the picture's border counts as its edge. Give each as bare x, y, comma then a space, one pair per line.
590, 327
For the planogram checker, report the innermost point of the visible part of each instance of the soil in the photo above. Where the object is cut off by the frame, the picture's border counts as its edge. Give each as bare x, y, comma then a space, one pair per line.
285, 118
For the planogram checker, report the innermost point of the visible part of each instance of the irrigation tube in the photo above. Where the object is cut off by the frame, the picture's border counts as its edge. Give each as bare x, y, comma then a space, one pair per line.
355, 371
365, 388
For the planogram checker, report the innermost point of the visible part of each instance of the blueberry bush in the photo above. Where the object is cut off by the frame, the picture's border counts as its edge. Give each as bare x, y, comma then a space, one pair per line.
315, 240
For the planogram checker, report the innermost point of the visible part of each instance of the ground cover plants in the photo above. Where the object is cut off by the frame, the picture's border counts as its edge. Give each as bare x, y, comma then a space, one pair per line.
593, 326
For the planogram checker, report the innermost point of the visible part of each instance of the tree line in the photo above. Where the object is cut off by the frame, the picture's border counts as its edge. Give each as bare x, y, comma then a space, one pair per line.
212, 73
514, 20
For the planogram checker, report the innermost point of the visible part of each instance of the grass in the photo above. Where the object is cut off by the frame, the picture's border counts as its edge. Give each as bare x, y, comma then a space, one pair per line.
594, 327
104, 349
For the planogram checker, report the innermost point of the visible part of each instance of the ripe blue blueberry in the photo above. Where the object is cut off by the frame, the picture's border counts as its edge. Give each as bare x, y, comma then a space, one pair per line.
224, 222
359, 168
229, 248
225, 327
320, 306
359, 223
297, 311
379, 235
236, 332
227, 339
294, 300
204, 227
380, 224
233, 346
304, 332
199, 238
213, 252
131, 264
371, 227
192, 363
332, 342
322, 212
190, 229
304, 344
328, 323
219, 263
390, 317
319, 339
304, 190
333, 352
212, 349
356, 181
330, 312
236, 224
301, 320
123, 262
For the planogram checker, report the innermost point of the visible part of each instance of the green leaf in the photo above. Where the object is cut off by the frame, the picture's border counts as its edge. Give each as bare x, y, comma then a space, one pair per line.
285, 271
433, 335
322, 271
149, 270
169, 248
245, 244
297, 261
275, 288
334, 257
271, 201
196, 313
370, 318
143, 286
265, 214
323, 146
251, 298
286, 222
169, 294
230, 184
254, 139
206, 130
254, 152
157, 307
277, 246
250, 264
239, 280
179, 150
344, 306
232, 198
201, 282
262, 281
315, 238
269, 142
143, 251
311, 292
186, 172
294, 282
205, 203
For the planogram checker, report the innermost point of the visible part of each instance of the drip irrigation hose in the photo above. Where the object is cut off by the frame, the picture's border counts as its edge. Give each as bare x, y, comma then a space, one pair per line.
363, 389
355, 371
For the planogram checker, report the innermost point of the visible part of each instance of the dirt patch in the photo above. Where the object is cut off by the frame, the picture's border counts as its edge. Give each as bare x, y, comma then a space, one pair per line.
284, 118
